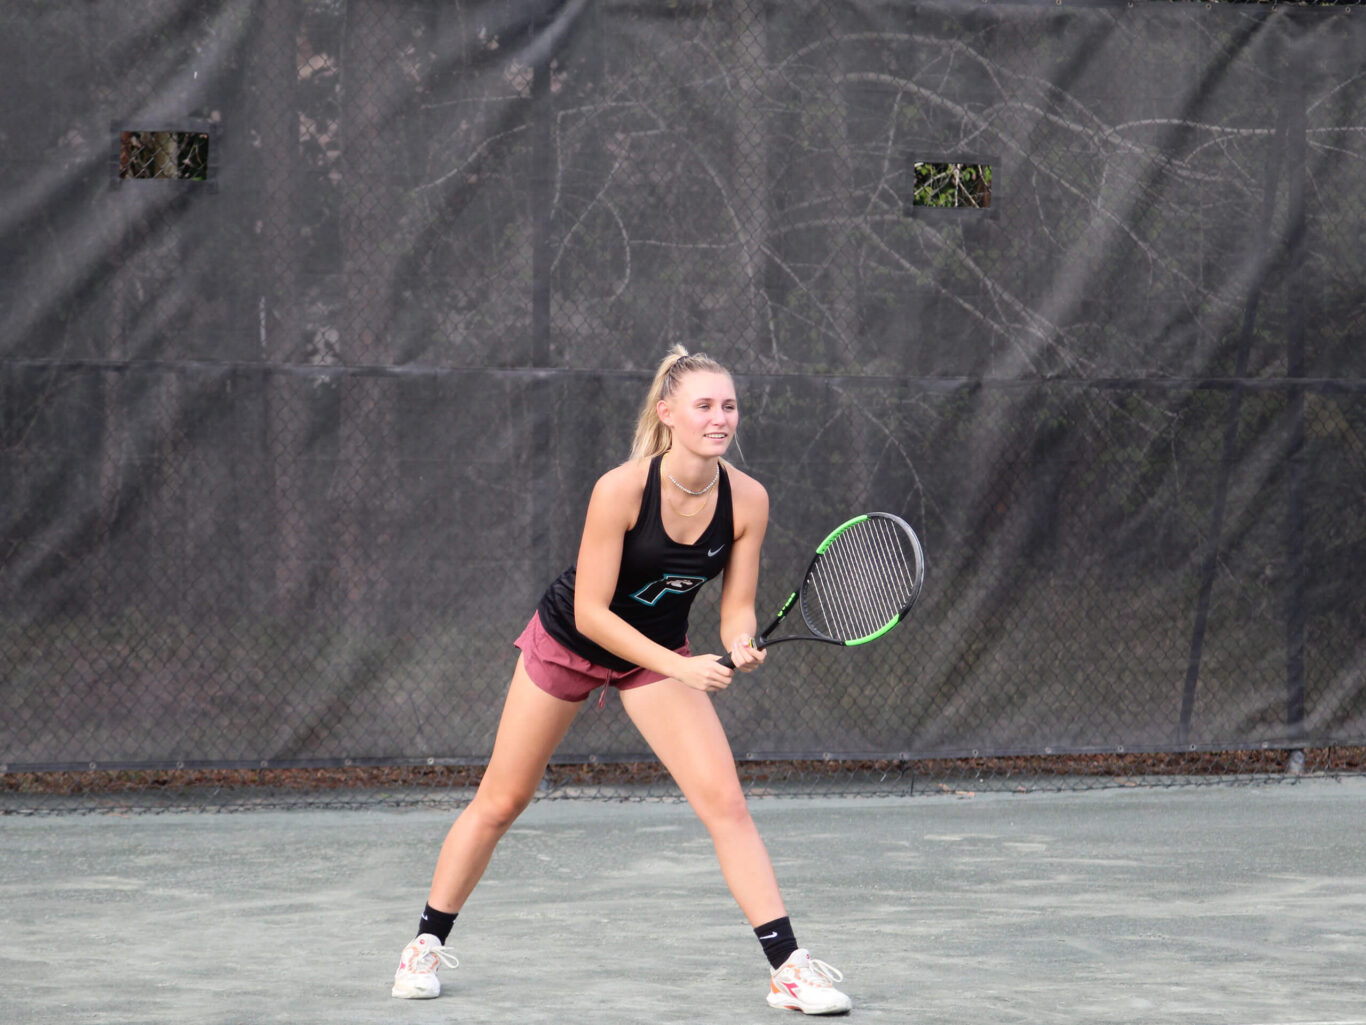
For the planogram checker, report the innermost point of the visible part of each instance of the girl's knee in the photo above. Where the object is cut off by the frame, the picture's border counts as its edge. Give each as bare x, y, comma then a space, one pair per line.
722, 808
499, 809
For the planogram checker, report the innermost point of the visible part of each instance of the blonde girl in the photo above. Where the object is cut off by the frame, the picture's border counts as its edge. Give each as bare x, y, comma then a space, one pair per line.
658, 527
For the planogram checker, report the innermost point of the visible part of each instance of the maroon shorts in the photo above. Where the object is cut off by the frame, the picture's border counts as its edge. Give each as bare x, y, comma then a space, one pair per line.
570, 677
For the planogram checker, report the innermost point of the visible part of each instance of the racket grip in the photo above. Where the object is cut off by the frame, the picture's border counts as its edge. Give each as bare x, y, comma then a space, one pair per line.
754, 642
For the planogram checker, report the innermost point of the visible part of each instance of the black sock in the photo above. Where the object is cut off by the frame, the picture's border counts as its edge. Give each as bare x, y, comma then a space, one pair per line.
438, 923
778, 941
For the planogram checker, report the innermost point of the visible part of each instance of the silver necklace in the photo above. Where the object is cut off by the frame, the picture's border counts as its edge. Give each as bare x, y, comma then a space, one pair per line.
689, 491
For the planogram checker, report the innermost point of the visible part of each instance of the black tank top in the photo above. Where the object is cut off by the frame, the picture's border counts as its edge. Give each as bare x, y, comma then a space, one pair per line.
658, 581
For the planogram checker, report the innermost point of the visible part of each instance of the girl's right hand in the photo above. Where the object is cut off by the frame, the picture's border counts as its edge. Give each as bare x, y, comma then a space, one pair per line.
705, 673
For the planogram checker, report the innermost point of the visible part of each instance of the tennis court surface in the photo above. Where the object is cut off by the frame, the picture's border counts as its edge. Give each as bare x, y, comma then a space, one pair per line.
1223, 904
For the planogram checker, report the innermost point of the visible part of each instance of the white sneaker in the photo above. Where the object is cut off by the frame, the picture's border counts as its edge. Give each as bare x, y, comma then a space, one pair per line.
804, 984
416, 976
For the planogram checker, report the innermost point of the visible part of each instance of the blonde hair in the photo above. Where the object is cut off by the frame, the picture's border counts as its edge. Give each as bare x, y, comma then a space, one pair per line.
652, 436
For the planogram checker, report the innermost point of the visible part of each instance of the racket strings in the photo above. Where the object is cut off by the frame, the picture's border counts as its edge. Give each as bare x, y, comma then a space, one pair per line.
862, 582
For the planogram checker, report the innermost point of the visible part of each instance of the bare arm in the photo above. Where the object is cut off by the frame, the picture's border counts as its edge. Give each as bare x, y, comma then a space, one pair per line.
741, 582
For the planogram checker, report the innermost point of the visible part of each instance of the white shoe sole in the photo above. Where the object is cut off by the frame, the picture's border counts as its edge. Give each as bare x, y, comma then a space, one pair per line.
783, 1005
407, 990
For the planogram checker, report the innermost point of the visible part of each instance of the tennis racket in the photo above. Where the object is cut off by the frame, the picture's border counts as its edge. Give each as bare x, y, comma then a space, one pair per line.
862, 581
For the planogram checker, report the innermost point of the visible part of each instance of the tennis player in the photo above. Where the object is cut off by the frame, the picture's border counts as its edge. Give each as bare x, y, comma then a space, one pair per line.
658, 527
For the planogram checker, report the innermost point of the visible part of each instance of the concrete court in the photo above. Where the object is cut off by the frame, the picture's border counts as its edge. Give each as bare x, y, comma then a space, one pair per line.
1227, 904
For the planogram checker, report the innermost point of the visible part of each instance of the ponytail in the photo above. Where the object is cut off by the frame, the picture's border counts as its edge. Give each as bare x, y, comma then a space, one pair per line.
652, 436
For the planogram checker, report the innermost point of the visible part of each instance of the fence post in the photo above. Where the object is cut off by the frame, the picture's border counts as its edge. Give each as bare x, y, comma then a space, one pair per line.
1297, 283
541, 196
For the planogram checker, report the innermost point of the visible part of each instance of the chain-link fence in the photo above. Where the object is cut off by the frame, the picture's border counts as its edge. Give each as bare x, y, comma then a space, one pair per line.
320, 318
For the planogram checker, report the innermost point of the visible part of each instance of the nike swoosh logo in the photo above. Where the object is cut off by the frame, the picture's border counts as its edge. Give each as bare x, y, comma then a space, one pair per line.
770, 936
714, 551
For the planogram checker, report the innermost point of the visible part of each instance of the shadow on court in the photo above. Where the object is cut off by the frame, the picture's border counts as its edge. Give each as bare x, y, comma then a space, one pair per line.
1224, 904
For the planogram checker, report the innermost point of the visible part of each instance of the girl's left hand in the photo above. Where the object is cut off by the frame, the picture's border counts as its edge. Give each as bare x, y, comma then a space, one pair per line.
746, 657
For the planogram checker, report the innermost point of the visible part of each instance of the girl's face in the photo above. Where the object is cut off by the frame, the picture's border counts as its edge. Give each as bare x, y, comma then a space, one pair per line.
702, 413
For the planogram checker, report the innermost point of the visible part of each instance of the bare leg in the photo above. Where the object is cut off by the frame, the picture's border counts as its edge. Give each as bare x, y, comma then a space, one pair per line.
682, 729
532, 726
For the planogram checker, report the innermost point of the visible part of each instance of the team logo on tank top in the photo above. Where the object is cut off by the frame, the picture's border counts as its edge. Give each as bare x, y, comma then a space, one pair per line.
673, 583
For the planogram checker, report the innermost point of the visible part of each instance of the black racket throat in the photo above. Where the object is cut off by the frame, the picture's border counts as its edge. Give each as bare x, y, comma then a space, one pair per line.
760, 643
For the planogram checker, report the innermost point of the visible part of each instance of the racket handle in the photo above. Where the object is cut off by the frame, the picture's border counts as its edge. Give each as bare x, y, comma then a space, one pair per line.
757, 643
